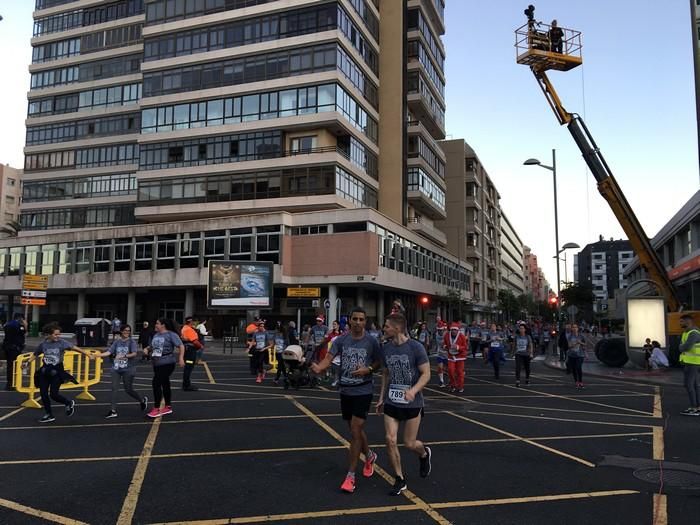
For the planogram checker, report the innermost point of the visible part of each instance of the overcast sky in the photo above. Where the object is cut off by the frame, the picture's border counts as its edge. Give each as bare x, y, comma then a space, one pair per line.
635, 92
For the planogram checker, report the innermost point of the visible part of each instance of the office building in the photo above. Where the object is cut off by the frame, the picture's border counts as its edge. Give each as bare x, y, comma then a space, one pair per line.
602, 265
536, 285
10, 196
512, 276
165, 134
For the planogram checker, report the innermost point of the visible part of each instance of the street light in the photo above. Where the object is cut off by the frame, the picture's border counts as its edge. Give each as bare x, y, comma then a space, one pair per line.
567, 246
553, 169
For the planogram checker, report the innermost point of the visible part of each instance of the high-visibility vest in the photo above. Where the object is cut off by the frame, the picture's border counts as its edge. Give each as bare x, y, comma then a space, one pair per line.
692, 356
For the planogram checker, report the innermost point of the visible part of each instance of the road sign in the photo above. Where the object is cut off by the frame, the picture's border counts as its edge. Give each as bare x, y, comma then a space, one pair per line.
35, 282
304, 292
315, 303
41, 294
327, 304
33, 302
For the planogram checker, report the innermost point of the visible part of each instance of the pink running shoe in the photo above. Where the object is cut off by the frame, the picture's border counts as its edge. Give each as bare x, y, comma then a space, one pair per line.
167, 410
155, 412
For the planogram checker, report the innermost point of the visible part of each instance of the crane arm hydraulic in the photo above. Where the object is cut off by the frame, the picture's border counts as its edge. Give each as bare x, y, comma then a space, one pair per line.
611, 192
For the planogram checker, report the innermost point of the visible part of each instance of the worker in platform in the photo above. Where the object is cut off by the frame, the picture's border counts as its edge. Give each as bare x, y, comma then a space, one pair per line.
556, 38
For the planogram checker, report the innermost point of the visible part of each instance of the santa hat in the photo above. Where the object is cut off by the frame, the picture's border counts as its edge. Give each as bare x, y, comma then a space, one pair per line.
320, 318
454, 326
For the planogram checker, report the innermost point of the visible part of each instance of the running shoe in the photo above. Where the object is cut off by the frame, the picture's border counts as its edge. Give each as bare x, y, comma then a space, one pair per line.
517, 384
144, 403
190, 388
368, 469
70, 408
527, 382
348, 485
47, 418
111, 414
690, 412
259, 378
442, 384
155, 412
460, 391
399, 487
425, 463
166, 410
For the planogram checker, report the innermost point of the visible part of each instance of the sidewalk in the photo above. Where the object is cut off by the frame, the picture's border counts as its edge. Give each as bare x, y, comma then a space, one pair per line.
593, 367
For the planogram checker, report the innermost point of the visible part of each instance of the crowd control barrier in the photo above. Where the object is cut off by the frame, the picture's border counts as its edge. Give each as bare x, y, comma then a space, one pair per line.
272, 359
85, 371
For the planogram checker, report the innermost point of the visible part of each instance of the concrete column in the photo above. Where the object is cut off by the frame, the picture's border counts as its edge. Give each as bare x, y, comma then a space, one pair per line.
131, 309
80, 313
189, 302
360, 301
381, 312
35, 314
333, 310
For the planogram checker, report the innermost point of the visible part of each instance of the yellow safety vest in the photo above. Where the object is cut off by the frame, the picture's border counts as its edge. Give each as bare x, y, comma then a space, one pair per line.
692, 356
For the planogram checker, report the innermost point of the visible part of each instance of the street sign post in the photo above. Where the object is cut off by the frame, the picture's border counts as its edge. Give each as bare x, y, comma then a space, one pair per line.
34, 291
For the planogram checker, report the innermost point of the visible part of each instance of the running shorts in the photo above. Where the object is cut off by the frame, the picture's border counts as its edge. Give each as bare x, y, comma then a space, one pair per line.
402, 414
355, 406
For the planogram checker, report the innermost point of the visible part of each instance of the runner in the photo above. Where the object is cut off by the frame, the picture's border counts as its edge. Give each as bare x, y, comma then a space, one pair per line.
281, 339
162, 351
406, 372
474, 338
318, 339
441, 359
359, 357
485, 337
424, 337
576, 353
523, 354
494, 341
455, 344
51, 375
257, 349
124, 352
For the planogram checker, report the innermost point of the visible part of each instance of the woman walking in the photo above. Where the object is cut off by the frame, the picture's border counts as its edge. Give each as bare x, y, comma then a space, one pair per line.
281, 339
124, 352
495, 343
164, 343
51, 375
576, 354
523, 354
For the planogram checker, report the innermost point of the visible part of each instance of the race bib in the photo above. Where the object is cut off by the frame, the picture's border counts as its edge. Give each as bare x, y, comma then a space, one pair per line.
51, 360
397, 394
157, 352
454, 350
121, 362
442, 352
495, 344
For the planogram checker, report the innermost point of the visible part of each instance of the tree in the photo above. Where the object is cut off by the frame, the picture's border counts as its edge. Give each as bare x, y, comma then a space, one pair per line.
10, 229
580, 296
508, 304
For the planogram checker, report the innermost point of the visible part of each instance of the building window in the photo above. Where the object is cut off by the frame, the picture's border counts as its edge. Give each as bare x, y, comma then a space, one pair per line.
303, 144
11, 182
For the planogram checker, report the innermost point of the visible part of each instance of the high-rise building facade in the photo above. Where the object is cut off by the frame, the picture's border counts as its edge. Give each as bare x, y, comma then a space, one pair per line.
536, 285
163, 134
511, 271
473, 224
10, 195
602, 265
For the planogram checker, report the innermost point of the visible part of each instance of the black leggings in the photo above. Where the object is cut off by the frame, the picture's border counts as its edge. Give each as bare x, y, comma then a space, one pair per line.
281, 370
522, 361
49, 383
259, 360
190, 361
576, 365
161, 383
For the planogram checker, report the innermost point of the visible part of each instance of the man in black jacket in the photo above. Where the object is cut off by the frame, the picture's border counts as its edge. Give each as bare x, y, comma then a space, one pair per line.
563, 342
145, 339
13, 344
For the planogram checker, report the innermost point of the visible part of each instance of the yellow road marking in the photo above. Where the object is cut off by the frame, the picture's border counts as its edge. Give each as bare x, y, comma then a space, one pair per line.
658, 443
298, 515
418, 502
532, 499
306, 448
7, 416
211, 377
658, 411
577, 400
525, 440
126, 515
660, 510
48, 516
584, 421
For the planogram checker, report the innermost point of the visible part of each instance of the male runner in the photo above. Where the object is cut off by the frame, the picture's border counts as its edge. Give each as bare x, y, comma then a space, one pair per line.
406, 372
359, 357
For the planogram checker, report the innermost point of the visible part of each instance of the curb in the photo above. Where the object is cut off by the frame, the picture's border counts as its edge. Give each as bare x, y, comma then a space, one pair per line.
618, 377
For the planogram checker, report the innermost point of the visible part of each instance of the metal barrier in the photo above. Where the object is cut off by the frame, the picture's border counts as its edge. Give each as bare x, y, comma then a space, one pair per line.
272, 359
76, 364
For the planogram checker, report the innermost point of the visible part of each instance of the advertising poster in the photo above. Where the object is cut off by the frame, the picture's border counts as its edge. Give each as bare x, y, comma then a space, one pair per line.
236, 284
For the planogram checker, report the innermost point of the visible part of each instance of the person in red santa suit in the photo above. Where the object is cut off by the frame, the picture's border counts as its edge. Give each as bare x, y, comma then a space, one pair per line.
455, 343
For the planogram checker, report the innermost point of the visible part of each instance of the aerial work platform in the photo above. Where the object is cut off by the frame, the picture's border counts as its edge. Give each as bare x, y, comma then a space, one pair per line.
536, 48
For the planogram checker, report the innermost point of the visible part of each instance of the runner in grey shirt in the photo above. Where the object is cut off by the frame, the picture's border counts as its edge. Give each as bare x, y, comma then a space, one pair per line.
359, 358
576, 354
406, 372
124, 351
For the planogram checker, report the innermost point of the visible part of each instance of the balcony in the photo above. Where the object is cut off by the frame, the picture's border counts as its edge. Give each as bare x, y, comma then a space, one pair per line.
425, 229
425, 205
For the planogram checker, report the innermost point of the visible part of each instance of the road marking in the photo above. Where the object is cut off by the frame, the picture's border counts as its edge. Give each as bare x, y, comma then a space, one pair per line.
583, 421
7, 416
298, 515
525, 440
577, 400
48, 516
658, 443
126, 515
658, 410
418, 502
532, 499
660, 510
211, 377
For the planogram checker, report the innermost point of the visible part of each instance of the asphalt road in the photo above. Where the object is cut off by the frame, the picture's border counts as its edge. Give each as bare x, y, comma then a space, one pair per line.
237, 452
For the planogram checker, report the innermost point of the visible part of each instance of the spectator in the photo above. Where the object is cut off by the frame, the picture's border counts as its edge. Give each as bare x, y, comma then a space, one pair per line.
13, 344
658, 357
145, 339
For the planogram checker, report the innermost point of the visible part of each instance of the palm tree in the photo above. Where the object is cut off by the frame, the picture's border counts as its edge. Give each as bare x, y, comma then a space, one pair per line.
10, 229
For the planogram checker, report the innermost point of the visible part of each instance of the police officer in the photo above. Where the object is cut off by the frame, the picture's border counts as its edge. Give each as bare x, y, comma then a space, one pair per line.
690, 357
13, 344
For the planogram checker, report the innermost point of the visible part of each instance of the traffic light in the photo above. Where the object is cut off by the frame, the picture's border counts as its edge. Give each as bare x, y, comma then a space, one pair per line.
424, 300
553, 300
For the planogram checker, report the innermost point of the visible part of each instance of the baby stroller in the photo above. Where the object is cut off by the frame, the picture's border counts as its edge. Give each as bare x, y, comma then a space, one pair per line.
298, 368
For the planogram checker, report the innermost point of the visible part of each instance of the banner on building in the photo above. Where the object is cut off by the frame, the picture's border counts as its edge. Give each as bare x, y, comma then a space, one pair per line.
236, 284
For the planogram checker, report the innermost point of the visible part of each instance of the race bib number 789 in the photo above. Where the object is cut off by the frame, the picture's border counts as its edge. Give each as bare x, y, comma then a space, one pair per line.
397, 394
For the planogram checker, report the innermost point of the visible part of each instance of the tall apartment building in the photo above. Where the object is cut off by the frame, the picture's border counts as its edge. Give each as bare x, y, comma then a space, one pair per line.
10, 194
512, 275
167, 133
473, 224
536, 285
602, 264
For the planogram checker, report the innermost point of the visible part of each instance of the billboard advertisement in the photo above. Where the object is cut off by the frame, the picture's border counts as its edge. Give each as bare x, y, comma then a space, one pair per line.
239, 284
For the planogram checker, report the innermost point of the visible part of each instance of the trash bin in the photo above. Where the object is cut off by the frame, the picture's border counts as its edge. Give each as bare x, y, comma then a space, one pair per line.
34, 329
92, 331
